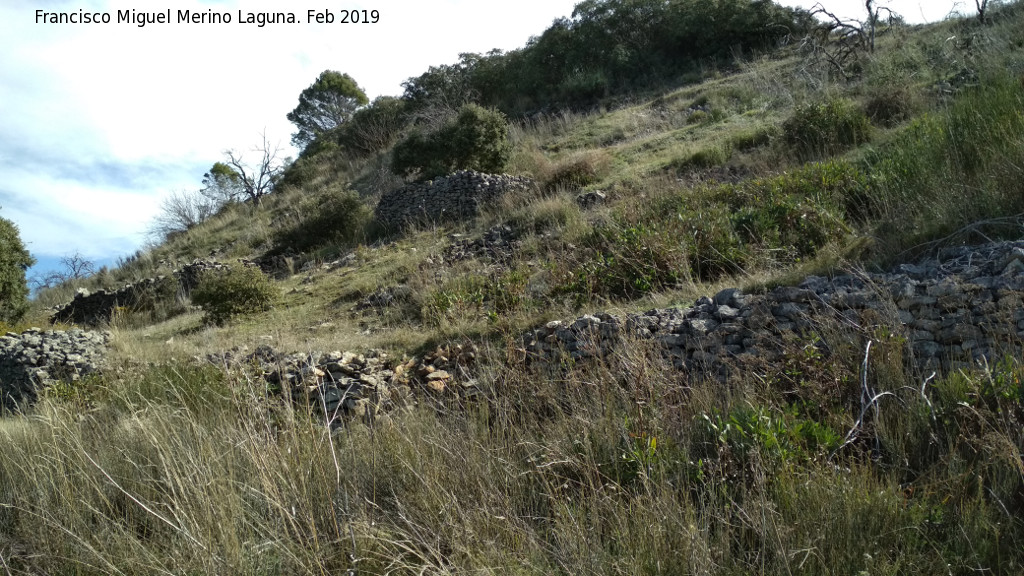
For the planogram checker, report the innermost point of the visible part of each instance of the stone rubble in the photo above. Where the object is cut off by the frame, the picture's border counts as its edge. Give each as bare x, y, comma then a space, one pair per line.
339, 386
964, 306
499, 243
455, 197
37, 358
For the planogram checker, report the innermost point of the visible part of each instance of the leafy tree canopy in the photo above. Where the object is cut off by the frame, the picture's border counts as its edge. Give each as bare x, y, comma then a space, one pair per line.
326, 104
14, 261
476, 139
222, 184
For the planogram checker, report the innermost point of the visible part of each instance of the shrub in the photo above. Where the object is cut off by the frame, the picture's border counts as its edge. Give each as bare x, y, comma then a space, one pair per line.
576, 171
704, 158
332, 217
754, 138
816, 130
890, 106
14, 261
373, 128
627, 260
476, 139
239, 290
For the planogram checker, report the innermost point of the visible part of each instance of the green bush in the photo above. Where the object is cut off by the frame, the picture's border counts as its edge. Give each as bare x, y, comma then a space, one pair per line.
825, 129
14, 261
373, 128
476, 139
332, 217
705, 158
890, 106
797, 212
627, 260
224, 294
754, 138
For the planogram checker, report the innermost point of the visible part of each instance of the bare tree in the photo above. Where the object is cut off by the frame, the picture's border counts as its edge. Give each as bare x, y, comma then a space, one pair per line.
982, 6
259, 180
74, 267
180, 211
842, 41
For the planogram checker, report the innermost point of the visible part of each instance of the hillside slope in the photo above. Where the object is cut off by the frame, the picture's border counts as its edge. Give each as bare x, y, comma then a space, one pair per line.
768, 322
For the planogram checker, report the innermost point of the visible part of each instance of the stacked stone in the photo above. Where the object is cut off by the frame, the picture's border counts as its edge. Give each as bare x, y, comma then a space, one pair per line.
94, 308
189, 274
336, 385
965, 306
339, 386
37, 358
498, 243
455, 197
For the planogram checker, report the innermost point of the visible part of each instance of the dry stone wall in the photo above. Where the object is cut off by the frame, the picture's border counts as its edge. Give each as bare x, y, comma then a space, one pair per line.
94, 308
455, 197
962, 307
340, 386
36, 358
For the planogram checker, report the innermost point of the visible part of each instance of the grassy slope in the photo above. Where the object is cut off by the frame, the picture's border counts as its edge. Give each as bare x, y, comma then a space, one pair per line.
623, 467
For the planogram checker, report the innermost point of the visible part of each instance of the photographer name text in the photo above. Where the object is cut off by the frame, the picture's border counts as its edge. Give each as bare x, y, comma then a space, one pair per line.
210, 16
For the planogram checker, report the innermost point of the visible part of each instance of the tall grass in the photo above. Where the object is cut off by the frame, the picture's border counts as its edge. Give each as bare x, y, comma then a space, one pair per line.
957, 166
616, 467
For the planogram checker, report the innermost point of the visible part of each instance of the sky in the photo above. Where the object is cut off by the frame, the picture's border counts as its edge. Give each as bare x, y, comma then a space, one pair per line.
99, 122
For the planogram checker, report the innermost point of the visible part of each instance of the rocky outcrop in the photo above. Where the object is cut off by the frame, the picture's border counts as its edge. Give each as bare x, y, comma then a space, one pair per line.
36, 358
962, 307
455, 197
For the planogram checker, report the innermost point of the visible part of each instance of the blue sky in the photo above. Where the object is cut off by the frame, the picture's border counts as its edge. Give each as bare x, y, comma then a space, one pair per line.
101, 121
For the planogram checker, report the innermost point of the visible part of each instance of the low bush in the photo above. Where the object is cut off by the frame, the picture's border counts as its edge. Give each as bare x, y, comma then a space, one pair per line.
827, 128
754, 138
576, 171
708, 157
890, 106
331, 217
476, 139
240, 290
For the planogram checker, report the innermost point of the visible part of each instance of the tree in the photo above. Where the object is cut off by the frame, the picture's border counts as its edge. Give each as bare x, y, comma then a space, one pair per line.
180, 211
75, 267
222, 185
14, 261
259, 180
375, 127
476, 139
326, 104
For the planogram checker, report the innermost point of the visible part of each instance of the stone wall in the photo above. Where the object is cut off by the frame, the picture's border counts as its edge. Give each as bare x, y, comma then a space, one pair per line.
957, 309
339, 386
455, 197
94, 308
36, 358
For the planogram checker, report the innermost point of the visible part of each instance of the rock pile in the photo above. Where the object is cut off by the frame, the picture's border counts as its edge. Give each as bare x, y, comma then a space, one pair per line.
959, 308
455, 197
499, 244
342, 385
36, 358
93, 308
384, 298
